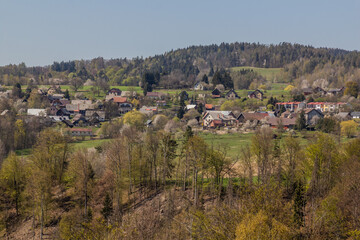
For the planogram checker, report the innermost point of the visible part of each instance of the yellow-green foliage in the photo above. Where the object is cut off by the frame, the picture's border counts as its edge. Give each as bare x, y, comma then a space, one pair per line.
134, 118
348, 128
289, 88
261, 226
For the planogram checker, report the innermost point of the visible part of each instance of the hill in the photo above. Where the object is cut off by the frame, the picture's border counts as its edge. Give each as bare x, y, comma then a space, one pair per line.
183, 67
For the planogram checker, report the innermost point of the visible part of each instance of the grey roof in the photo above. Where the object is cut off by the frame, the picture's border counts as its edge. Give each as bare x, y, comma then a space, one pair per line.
357, 114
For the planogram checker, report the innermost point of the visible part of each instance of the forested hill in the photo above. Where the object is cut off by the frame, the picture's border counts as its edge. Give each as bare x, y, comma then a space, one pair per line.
183, 67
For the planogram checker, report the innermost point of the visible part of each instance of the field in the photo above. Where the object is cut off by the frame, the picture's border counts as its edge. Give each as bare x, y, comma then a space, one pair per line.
268, 73
74, 146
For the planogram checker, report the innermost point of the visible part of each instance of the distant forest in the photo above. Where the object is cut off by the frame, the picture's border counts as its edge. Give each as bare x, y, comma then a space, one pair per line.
183, 67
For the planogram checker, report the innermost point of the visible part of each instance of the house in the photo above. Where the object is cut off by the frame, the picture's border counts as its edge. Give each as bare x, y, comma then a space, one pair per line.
155, 95
290, 106
128, 94
315, 105
287, 123
330, 107
355, 115
148, 110
59, 118
95, 114
125, 107
118, 100
256, 94
36, 112
288, 114
307, 91
199, 86
190, 106
202, 95
114, 92
312, 116
219, 118
79, 120
251, 116
80, 132
161, 103
343, 116
319, 90
216, 93
231, 95
209, 107
336, 91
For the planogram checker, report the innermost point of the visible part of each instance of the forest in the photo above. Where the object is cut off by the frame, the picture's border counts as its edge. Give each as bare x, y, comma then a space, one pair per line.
152, 184
181, 68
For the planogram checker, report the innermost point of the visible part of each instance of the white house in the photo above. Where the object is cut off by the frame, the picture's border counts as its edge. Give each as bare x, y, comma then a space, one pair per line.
36, 112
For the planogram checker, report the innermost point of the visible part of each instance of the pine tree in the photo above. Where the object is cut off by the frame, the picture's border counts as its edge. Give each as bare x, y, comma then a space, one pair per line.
108, 207
299, 203
301, 121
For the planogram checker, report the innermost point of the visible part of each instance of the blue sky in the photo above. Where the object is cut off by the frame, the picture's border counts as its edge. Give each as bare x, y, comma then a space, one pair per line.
39, 32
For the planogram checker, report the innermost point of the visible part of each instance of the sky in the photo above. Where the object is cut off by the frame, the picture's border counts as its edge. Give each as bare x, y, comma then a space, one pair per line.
39, 32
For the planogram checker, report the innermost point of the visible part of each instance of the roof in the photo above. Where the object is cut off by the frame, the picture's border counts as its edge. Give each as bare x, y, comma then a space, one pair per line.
274, 121
120, 99
209, 106
232, 91
79, 129
220, 115
36, 112
355, 114
154, 94
190, 106
253, 116
306, 111
253, 92
307, 90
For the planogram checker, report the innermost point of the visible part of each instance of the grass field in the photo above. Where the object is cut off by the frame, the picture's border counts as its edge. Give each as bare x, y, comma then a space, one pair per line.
233, 142
268, 73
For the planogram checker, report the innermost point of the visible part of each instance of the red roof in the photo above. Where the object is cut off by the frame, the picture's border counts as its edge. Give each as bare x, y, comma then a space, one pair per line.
120, 99
209, 106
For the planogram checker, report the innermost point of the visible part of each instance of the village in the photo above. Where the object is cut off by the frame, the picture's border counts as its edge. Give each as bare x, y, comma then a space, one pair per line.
201, 110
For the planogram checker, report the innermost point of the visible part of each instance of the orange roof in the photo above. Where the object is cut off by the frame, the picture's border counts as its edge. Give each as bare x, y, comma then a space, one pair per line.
209, 106
120, 99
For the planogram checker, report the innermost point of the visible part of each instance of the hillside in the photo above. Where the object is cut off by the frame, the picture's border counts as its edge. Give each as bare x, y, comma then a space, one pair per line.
183, 67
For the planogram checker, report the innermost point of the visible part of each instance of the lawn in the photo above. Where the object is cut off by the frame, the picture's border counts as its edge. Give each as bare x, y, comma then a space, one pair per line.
74, 146
268, 73
234, 142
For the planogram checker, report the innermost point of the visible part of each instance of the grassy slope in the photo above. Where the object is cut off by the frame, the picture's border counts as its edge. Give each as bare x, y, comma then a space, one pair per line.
268, 73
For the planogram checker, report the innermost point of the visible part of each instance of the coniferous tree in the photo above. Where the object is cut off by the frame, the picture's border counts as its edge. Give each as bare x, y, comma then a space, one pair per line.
107, 210
301, 121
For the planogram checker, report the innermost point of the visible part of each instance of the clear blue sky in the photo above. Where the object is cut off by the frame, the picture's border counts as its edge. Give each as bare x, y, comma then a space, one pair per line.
39, 32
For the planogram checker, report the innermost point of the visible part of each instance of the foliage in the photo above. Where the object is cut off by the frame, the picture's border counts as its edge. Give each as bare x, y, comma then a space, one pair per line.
134, 118
348, 128
352, 89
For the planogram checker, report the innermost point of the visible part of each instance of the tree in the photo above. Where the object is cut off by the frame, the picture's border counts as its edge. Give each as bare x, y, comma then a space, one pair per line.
261, 226
168, 154
262, 146
300, 123
13, 179
16, 91
67, 94
75, 82
351, 89
81, 175
181, 111
299, 203
107, 210
205, 79
135, 118
348, 128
